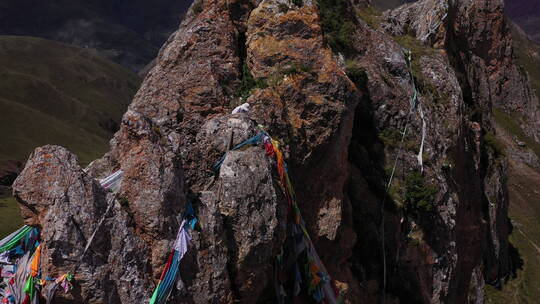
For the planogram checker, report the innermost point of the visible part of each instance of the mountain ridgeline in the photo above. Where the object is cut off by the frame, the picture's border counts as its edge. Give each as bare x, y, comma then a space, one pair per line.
128, 32
387, 122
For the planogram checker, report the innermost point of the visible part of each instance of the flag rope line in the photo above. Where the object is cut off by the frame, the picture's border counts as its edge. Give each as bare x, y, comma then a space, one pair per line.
412, 106
317, 278
170, 271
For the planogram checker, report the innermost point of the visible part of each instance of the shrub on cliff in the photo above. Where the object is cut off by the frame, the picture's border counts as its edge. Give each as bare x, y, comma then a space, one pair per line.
249, 83
356, 73
492, 143
418, 195
338, 29
197, 7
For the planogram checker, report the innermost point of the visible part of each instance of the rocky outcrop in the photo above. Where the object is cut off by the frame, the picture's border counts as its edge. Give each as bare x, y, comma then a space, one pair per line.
346, 121
478, 37
450, 67
59, 197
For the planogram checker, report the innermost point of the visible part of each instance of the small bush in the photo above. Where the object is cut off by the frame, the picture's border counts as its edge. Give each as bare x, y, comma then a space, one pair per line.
248, 83
395, 192
337, 28
283, 8
356, 73
295, 68
494, 144
390, 137
197, 7
416, 237
417, 50
123, 202
370, 15
418, 195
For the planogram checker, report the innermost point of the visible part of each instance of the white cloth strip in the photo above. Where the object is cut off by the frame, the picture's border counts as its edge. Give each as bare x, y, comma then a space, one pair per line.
111, 178
182, 241
421, 152
112, 181
19, 279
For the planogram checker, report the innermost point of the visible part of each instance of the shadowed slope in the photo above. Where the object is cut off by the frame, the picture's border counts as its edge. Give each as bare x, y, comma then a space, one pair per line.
52, 93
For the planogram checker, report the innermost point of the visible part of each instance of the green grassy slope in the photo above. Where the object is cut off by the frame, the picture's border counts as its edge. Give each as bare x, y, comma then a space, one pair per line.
528, 57
10, 218
51, 93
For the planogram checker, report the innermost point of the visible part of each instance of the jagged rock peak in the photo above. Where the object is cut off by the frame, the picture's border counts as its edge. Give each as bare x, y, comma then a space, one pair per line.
344, 114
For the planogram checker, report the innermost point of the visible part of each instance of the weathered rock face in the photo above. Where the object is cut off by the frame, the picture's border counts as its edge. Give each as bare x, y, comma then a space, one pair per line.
437, 237
458, 83
58, 196
308, 104
477, 36
422, 254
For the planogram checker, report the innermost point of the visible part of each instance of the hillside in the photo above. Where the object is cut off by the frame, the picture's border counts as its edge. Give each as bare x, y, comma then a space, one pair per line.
52, 93
127, 32
527, 53
526, 13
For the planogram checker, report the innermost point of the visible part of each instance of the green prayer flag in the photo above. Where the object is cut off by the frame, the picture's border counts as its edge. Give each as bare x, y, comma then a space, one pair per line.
29, 287
154, 296
15, 240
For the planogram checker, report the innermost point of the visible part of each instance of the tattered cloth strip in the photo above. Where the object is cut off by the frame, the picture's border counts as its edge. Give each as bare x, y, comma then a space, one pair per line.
300, 249
16, 286
112, 182
317, 279
50, 290
23, 282
181, 245
18, 249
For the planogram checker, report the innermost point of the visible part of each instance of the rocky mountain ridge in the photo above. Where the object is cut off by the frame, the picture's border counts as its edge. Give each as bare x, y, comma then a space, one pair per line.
355, 102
